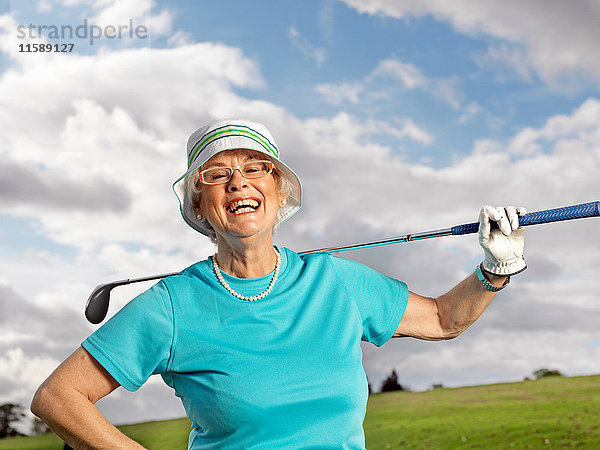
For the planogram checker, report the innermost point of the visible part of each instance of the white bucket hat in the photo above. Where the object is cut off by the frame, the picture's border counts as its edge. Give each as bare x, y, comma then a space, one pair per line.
232, 134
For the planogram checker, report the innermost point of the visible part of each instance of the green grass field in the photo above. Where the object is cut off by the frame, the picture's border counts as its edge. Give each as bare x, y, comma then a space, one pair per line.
553, 411
550, 412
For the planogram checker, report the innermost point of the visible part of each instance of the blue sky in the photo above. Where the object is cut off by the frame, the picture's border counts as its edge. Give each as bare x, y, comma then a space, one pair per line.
399, 117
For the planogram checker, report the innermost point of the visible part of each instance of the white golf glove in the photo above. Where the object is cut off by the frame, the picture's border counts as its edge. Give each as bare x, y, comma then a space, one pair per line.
503, 247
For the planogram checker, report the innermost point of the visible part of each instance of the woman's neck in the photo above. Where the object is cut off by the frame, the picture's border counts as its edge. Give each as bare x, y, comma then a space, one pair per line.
246, 261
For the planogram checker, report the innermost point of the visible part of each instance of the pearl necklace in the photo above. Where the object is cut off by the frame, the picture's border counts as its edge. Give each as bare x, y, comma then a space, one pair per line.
243, 297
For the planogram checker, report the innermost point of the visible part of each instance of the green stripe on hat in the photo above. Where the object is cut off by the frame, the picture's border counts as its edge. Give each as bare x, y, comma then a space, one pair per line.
231, 131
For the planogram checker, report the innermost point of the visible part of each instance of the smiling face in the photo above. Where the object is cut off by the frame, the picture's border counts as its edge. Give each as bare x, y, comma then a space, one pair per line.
242, 207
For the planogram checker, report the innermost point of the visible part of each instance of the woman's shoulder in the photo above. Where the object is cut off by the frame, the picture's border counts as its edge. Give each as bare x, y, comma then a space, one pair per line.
304, 258
337, 263
324, 259
190, 274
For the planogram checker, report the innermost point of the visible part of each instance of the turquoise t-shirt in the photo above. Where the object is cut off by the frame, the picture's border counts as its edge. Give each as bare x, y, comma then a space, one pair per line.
283, 371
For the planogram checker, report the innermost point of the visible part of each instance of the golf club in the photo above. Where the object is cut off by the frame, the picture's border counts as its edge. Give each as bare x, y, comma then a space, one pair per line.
96, 307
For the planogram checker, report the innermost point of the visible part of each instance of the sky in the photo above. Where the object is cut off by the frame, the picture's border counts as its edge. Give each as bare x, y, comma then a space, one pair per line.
398, 117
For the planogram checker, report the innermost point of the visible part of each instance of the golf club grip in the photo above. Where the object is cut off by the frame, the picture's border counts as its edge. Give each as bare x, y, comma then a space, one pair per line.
590, 209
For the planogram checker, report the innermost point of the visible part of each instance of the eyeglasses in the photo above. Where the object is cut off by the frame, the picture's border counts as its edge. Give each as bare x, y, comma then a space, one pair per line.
250, 169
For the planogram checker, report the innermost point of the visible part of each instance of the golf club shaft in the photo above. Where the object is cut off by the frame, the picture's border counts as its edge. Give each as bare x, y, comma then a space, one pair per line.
97, 304
393, 240
580, 211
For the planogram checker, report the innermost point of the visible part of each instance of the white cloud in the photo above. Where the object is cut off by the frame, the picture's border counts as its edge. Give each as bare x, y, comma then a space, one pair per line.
15, 365
71, 3
161, 24
20, 184
469, 111
499, 360
180, 38
113, 12
391, 79
407, 129
410, 75
338, 94
447, 91
44, 6
417, 134
326, 20
582, 126
544, 29
316, 54
511, 56
7, 27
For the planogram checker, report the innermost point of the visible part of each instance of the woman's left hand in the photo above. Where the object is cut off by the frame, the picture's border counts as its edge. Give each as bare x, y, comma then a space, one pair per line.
502, 247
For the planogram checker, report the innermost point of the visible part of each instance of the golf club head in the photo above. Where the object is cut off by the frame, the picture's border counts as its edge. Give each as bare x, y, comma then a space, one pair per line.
96, 307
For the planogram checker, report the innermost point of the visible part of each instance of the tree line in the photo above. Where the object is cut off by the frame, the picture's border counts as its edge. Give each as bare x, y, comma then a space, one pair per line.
391, 383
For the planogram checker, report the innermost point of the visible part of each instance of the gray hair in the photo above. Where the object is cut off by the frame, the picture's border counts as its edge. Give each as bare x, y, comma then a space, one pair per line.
193, 189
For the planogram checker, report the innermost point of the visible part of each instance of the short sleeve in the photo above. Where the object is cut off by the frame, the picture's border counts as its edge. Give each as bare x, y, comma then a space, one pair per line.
136, 342
381, 300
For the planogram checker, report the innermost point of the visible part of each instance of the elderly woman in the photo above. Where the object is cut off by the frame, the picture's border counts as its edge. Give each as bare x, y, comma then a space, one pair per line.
262, 345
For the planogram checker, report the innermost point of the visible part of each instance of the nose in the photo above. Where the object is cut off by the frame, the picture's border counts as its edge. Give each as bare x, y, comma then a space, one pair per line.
237, 181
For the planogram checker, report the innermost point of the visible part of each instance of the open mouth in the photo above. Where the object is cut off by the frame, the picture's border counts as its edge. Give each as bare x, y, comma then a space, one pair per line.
243, 206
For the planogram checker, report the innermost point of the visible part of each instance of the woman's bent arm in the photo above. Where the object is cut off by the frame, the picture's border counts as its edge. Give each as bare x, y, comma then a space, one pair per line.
65, 401
448, 315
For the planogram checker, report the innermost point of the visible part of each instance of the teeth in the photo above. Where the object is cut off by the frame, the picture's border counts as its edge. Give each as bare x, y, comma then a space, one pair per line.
245, 205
